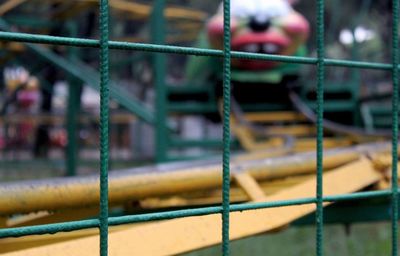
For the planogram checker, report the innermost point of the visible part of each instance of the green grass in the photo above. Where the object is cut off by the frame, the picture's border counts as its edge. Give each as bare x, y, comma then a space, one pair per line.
370, 239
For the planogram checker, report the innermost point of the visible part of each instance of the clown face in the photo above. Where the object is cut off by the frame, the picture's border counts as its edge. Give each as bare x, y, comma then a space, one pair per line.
260, 26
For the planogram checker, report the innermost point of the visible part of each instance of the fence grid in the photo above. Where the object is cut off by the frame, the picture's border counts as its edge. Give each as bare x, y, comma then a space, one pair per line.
319, 216
104, 44
395, 123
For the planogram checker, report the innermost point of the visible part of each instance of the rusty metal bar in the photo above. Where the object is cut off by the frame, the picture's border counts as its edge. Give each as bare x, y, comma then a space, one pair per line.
139, 183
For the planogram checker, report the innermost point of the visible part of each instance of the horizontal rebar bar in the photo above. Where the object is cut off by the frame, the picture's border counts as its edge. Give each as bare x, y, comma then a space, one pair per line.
113, 221
93, 43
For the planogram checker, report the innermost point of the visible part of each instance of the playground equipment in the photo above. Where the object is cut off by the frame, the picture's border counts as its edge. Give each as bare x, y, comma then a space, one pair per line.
243, 179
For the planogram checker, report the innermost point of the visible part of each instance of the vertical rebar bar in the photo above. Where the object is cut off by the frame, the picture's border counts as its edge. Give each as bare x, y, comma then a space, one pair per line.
320, 133
226, 128
104, 116
395, 123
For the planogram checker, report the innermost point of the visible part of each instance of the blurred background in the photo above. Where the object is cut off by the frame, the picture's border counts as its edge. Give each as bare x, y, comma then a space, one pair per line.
63, 79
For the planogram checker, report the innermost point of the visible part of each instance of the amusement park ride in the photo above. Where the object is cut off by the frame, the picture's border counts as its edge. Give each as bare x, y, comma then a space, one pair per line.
272, 120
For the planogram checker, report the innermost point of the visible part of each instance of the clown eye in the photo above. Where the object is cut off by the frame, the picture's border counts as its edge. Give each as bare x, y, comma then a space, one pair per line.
273, 9
243, 9
261, 9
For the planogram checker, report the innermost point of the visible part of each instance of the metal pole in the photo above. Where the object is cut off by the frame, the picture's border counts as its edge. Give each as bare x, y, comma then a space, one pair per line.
159, 72
73, 109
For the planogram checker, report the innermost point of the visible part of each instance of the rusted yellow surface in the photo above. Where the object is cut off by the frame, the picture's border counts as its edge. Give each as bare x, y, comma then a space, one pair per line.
44, 217
198, 198
143, 10
133, 8
293, 130
382, 161
283, 116
184, 234
309, 144
27, 218
300, 167
122, 188
22, 243
250, 143
208, 197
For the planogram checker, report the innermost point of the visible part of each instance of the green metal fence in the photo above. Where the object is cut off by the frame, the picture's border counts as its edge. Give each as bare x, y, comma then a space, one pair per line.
104, 221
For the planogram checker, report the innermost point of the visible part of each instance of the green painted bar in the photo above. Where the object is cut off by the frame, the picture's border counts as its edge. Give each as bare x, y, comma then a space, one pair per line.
319, 214
35, 22
189, 89
78, 225
209, 143
104, 124
158, 27
73, 110
188, 107
395, 124
226, 135
72, 149
81, 42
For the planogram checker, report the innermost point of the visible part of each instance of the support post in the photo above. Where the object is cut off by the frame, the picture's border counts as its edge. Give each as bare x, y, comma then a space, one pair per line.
72, 115
159, 72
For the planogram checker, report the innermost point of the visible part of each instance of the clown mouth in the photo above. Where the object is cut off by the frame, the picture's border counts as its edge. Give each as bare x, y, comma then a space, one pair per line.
263, 48
261, 43
266, 48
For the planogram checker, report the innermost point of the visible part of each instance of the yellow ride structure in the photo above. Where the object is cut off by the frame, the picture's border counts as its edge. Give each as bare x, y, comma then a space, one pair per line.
256, 177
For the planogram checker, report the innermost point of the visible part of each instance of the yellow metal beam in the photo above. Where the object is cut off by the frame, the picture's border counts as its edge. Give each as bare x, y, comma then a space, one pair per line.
143, 10
250, 186
278, 116
29, 218
308, 144
250, 143
180, 235
44, 217
382, 161
293, 130
209, 197
136, 9
57, 194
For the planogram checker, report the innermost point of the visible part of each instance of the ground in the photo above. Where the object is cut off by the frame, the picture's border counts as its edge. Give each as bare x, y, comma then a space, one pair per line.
369, 239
